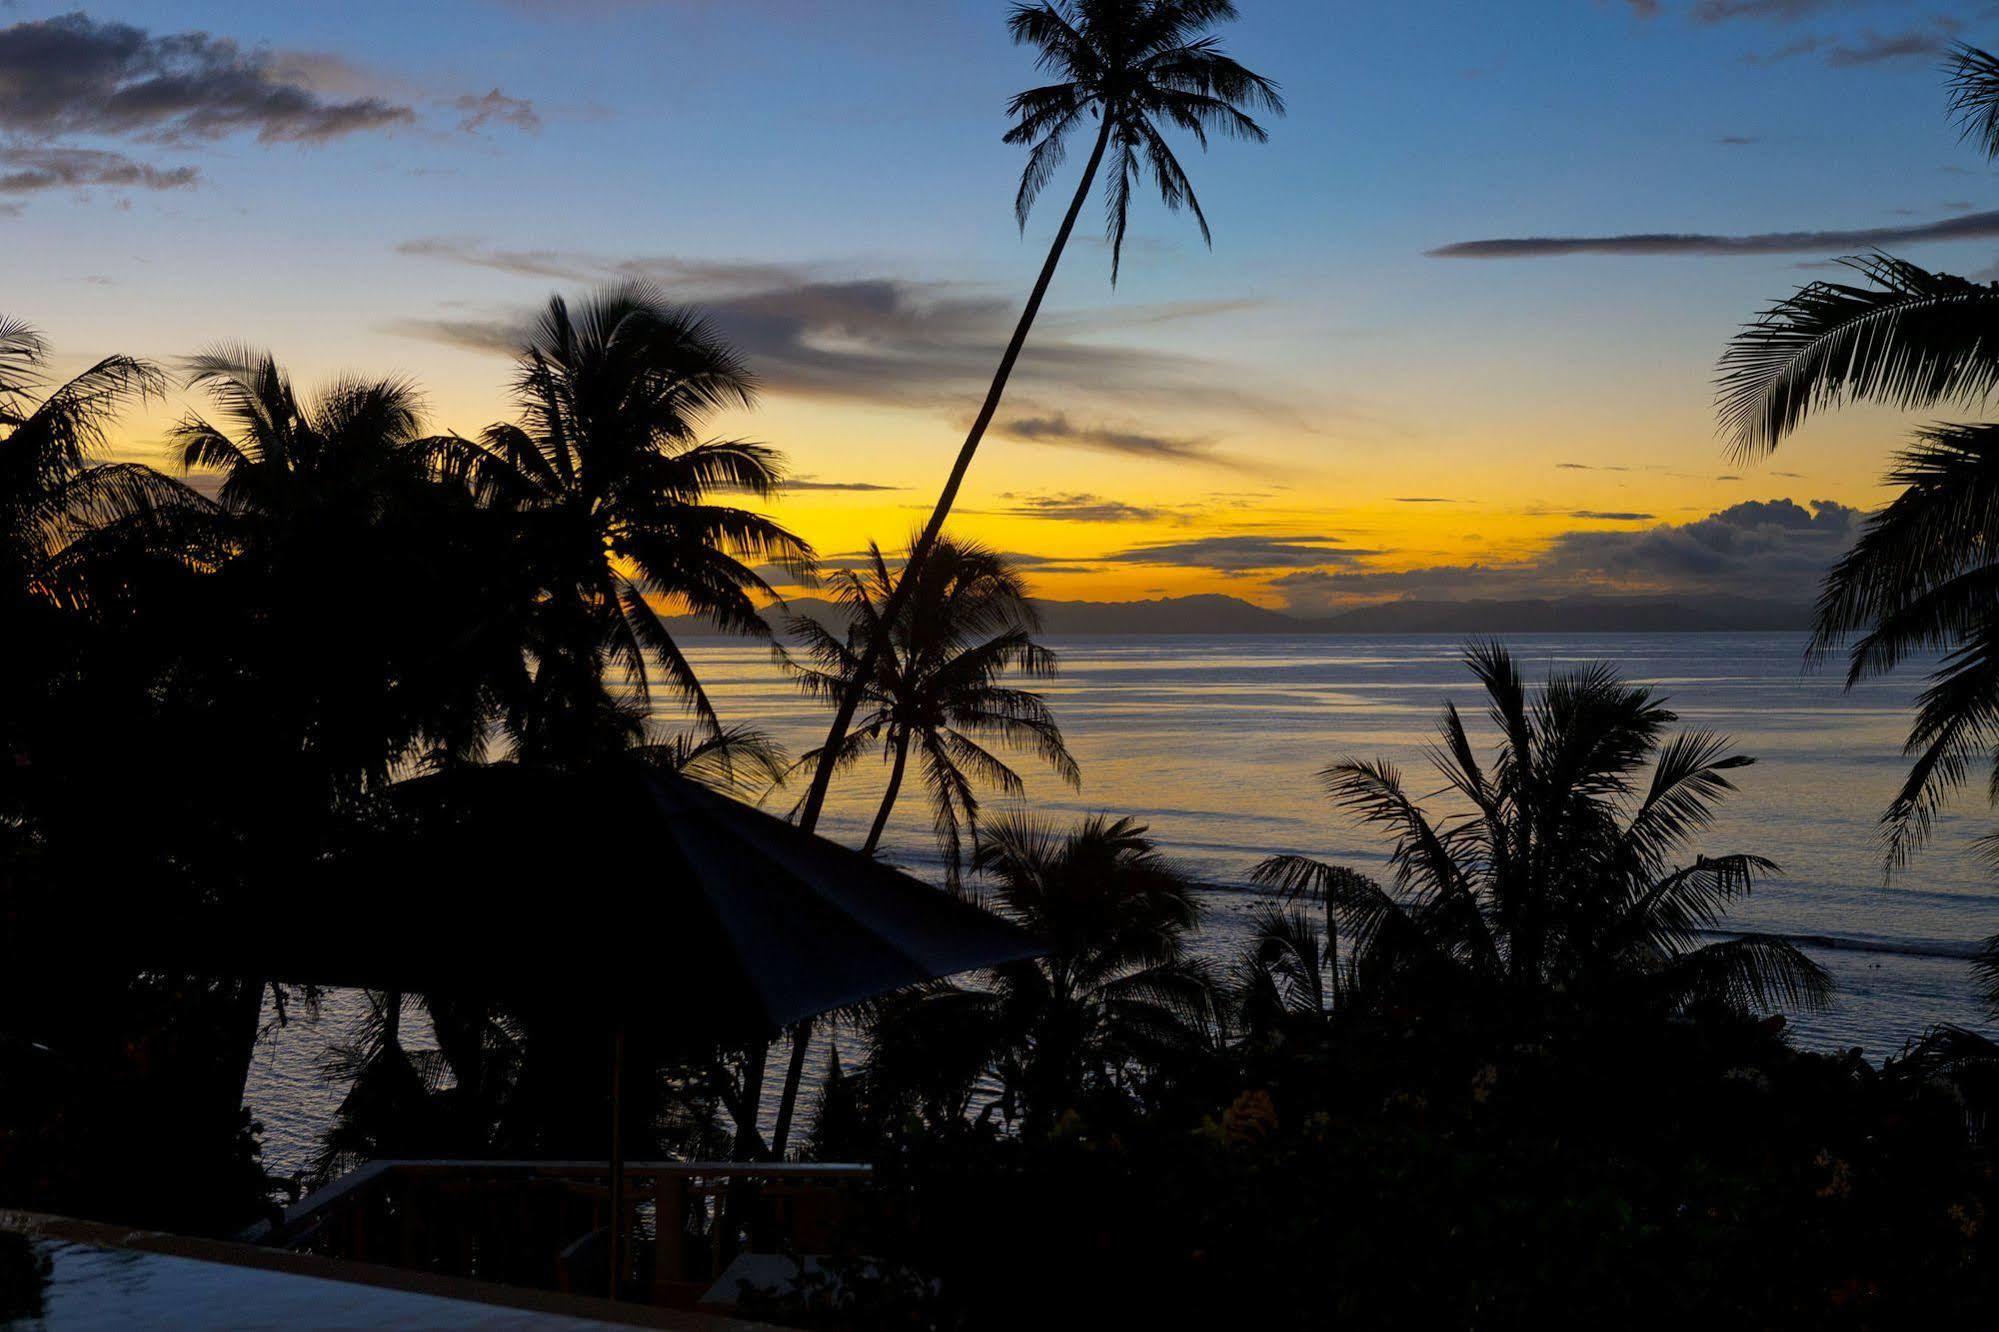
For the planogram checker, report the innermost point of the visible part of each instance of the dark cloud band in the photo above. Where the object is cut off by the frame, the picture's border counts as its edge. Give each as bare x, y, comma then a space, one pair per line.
1971, 226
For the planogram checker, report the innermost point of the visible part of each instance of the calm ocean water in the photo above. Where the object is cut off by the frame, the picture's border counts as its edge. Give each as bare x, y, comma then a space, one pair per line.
1215, 742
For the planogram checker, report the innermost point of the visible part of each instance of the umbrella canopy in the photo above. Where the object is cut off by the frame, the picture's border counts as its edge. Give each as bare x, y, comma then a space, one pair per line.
625, 886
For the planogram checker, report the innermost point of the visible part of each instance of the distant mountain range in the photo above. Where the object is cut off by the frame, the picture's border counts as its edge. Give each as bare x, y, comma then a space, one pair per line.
1215, 614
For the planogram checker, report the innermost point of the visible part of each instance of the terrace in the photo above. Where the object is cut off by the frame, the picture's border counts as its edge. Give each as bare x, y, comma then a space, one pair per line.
691, 1233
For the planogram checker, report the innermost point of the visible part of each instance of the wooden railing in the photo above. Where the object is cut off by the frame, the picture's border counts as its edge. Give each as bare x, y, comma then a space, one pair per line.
545, 1223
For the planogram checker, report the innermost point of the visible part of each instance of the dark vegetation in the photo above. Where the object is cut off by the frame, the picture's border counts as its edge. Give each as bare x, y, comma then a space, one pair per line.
1531, 1079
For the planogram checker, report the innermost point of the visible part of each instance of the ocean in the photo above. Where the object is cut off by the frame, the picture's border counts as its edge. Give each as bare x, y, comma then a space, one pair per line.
1216, 744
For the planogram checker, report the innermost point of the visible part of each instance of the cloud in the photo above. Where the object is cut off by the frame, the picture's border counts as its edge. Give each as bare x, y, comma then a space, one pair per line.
1870, 48
478, 112
1058, 429
73, 75
1601, 516
873, 339
1737, 140
1771, 549
1971, 226
28, 170
1078, 508
1422, 499
1779, 11
812, 483
1242, 554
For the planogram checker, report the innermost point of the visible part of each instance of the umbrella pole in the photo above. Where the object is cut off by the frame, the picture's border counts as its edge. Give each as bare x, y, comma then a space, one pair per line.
617, 1245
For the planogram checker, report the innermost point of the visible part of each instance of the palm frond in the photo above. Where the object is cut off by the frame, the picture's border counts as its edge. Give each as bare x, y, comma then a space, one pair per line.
1912, 340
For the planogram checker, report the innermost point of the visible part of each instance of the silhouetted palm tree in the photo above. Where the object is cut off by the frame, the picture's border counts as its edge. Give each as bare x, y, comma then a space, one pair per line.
1286, 977
611, 481
1921, 578
966, 626
1117, 990
1560, 885
53, 489
361, 588
1139, 68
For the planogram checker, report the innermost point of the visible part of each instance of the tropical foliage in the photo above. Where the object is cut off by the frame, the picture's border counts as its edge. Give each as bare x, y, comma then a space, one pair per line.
937, 689
1118, 991
1920, 581
1560, 886
610, 484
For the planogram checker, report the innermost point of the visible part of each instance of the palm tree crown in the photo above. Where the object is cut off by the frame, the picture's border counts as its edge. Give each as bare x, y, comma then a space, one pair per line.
1559, 884
1135, 66
52, 488
936, 690
369, 611
1921, 578
612, 479
1912, 339
1117, 989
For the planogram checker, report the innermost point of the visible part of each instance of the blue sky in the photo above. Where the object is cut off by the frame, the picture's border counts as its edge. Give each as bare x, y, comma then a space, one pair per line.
830, 176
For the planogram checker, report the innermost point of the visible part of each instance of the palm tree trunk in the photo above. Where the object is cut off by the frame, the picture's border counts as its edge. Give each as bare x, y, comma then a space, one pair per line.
850, 697
801, 1035
787, 1101
888, 796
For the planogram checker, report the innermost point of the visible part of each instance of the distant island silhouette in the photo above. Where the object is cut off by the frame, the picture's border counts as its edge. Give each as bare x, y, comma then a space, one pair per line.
1213, 613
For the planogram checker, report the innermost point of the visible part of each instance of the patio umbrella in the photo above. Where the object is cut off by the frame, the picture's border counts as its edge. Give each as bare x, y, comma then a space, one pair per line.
625, 893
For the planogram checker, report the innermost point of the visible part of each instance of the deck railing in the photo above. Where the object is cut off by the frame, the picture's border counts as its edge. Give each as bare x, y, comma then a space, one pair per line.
545, 1223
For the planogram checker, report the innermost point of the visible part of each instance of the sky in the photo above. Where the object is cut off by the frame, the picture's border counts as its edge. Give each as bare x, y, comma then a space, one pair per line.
1455, 336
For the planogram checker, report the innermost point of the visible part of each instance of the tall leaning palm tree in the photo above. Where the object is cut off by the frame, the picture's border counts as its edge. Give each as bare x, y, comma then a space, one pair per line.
612, 484
1922, 577
937, 688
1139, 68
1560, 889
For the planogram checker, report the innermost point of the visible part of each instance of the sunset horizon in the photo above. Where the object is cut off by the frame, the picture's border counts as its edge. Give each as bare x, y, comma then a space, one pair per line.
1370, 427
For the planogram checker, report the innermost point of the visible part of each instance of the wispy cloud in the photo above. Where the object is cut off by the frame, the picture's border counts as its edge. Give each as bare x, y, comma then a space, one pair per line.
1971, 226
813, 483
1243, 554
1780, 11
1059, 429
495, 107
30, 170
1078, 508
1867, 48
810, 332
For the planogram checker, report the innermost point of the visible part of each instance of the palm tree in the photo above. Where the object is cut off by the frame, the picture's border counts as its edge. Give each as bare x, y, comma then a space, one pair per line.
1117, 991
1138, 67
52, 488
1920, 579
966, 625
1286, 978
610, 480
372, 606
1560, 887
